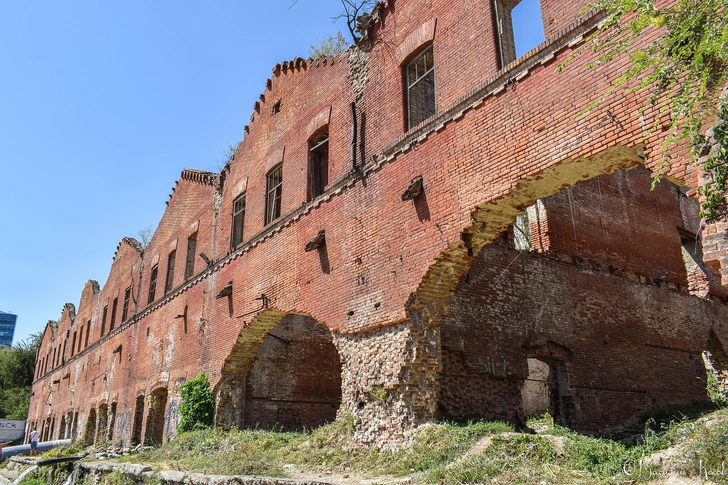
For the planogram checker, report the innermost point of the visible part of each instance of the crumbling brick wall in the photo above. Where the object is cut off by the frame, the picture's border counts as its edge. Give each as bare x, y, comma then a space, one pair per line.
383, 280
618, 324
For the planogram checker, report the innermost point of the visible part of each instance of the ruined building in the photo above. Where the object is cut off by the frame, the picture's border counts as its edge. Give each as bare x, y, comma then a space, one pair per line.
421, 228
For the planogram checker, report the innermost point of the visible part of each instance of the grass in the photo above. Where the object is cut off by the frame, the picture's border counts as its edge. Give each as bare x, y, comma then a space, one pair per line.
329, 448
455, 453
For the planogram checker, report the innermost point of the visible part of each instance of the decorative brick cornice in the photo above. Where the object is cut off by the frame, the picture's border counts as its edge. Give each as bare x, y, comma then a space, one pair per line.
201, 177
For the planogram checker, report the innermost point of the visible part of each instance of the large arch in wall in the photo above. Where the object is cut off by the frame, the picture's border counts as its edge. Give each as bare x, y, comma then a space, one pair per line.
602, 331
283, 372
403, 365
412, 393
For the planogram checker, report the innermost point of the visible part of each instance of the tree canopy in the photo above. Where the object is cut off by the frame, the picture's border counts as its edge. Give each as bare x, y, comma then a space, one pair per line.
686, 67
329, 46
17, 367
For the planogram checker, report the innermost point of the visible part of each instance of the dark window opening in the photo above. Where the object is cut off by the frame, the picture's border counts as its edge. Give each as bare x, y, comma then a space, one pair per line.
125, 308
88, 332
170, 272
520, 28
80, 339
191, 251
153, 284
238, 220
318, 165
420, 88
114, 305
273, 194
103, 320
73, 345
277, 107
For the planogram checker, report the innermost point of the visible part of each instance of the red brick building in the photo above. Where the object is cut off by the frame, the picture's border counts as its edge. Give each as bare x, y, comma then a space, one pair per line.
420, 228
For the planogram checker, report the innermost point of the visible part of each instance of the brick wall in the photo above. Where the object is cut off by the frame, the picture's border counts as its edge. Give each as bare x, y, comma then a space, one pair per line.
557, 14
618, 328
295, 381
383, 281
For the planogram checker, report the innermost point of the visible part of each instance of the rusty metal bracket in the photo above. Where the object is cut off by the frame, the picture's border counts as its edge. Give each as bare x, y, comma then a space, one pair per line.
318, 242
226, 291
263, 306
415, 189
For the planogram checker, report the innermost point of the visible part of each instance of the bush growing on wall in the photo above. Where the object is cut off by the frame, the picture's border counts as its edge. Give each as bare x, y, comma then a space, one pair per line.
197, 404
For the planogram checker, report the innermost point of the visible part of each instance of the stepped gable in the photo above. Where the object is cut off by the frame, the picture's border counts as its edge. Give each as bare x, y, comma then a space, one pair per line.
289, 68
94, 285
196, 176
90, 290
70, 310
129, 241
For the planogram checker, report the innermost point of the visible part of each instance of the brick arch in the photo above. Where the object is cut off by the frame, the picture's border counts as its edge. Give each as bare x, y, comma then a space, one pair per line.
412, 388
90, 430
430, 308
424, 34
284, 371
157, 404
491, 218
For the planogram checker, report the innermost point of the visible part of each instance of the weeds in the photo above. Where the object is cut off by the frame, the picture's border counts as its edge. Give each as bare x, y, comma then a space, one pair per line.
454, 453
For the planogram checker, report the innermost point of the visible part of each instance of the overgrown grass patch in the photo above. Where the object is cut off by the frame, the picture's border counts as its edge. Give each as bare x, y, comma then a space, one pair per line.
235, 452
331, 447
60, 451
704, 447
519, 456
436, 445
447, 452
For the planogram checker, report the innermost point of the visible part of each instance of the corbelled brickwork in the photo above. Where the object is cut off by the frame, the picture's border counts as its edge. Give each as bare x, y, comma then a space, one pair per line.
344, 262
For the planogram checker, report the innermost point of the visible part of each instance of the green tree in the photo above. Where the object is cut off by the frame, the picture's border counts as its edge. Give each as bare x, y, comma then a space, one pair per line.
17, 368
329, 46
198, 404
686, 67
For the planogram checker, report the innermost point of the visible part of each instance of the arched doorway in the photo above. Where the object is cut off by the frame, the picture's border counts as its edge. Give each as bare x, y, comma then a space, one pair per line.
112, 422
154, 431
102, 426
295, 380
90, 432
284, 373
136, 433
62, 431
74, 426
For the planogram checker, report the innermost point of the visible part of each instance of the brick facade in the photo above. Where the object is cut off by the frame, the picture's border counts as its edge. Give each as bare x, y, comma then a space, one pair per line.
405, 307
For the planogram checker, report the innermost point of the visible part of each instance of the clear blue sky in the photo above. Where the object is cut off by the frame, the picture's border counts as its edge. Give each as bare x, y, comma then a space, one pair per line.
102, 104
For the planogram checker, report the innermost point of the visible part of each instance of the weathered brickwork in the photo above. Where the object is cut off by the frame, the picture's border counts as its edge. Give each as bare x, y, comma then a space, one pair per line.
411, 303
609, 331
295, 380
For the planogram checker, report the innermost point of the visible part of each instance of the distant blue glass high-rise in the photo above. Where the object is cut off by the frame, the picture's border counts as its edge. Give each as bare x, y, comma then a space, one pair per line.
7, 328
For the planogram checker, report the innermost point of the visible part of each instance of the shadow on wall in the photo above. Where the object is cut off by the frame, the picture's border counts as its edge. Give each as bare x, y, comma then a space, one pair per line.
283, 373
